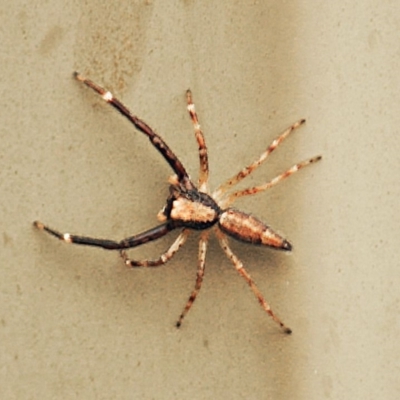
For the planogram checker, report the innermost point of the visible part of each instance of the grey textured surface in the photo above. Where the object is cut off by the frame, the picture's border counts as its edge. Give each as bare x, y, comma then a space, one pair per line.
74, 323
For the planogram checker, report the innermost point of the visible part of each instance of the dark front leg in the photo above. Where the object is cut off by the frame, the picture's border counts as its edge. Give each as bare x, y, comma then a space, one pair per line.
157, 141
133, 241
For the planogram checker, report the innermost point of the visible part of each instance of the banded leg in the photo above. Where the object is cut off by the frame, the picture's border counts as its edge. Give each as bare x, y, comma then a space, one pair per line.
203, 156
199, 279
157, 141
250, 168
164, 258
133, 241
223, 241
257, 189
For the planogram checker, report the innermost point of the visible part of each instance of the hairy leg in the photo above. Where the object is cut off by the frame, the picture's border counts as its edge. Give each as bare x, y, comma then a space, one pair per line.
257, 189
164, 258
199, 279
239, 268
203, 156
250, 168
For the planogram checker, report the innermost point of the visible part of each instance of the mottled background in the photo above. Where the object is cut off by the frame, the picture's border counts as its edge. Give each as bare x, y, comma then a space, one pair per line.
75, 323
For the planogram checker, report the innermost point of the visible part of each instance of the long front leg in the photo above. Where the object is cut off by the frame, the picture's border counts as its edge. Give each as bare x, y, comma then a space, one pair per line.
157, 141
133, 241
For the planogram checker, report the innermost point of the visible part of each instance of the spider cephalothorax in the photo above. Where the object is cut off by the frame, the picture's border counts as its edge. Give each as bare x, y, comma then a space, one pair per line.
190, 207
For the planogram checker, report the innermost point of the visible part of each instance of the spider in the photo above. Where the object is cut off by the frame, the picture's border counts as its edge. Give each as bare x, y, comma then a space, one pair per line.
194, 207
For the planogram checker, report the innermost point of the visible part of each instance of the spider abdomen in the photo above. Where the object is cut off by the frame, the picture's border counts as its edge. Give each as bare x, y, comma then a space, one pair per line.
247, 228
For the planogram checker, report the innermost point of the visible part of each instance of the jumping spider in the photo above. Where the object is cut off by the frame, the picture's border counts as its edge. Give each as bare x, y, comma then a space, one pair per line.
190, 207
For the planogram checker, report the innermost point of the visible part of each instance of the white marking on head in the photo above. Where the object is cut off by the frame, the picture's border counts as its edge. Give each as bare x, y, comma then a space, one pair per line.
67, 237
187, 210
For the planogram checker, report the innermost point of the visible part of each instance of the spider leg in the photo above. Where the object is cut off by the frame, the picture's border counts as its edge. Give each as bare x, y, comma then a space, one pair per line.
154, 138
257, 189
133, 241
239, 268
250, 168
203, 156
199, 279
164, 258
